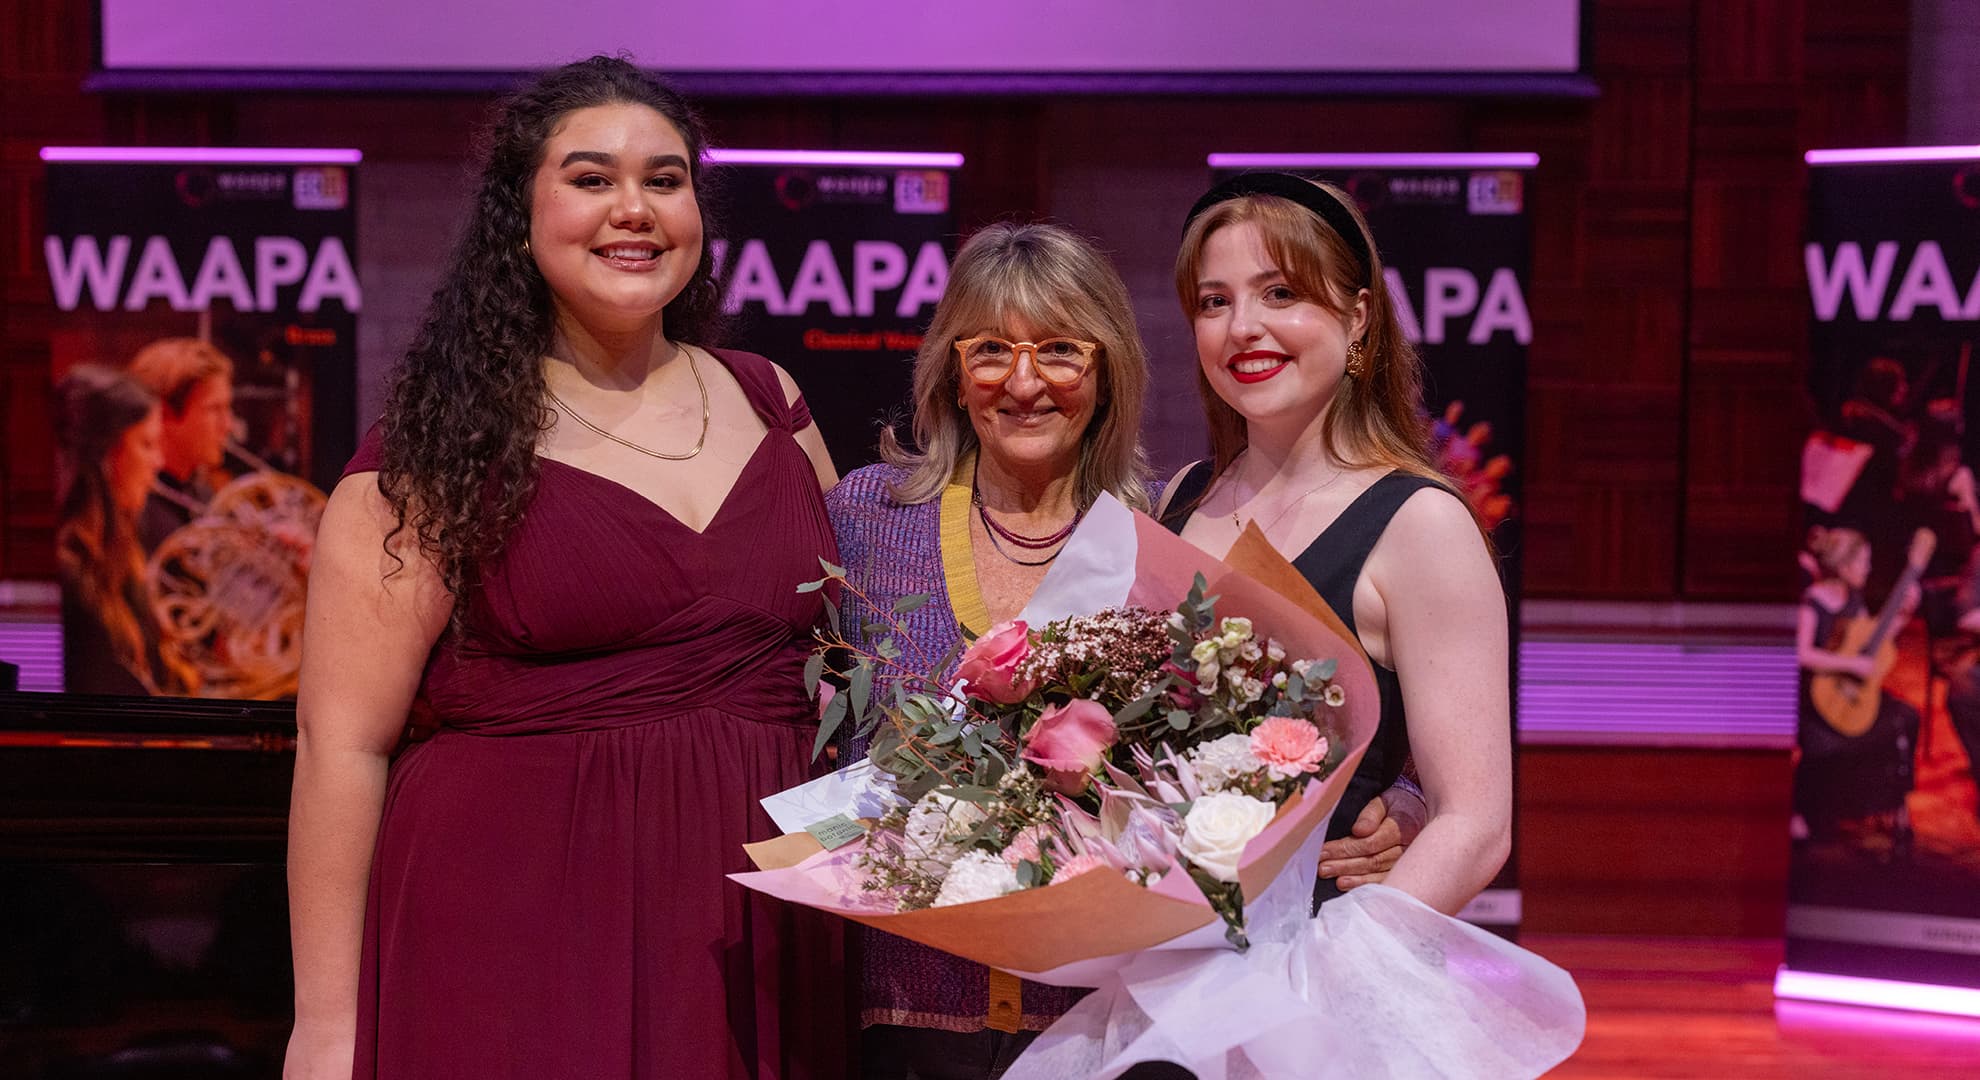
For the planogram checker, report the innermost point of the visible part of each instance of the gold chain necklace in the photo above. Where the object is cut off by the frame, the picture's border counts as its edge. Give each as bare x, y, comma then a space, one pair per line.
628, 443
1287, 508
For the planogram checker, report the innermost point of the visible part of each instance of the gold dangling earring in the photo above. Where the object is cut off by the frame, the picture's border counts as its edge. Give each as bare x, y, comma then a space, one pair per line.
1357, 363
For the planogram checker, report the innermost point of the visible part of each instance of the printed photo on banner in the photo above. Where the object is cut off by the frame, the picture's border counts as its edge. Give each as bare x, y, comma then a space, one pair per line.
1887, 821
204, 375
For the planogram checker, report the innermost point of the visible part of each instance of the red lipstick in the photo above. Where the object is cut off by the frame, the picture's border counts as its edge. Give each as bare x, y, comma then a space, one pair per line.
1231, 365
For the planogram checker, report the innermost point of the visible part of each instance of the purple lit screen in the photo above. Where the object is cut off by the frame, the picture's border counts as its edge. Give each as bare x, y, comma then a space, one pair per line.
850, 36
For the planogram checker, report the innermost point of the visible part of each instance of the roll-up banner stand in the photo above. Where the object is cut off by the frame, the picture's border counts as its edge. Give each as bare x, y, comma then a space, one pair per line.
204, 357
831, 265
1884, 883
1455, 239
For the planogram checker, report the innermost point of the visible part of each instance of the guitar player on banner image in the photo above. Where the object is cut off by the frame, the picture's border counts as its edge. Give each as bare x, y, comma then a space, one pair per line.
1855, 768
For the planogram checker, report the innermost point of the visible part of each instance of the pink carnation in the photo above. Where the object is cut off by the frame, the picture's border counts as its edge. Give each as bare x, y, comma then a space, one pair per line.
1288, 746
992, 661
1025, 846
1077, 865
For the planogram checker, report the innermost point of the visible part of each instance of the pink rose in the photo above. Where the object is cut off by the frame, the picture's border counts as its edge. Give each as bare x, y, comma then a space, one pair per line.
991, 664
1070, 741
1288, 746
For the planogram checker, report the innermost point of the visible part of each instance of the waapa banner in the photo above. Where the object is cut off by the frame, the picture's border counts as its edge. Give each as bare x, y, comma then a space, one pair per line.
1455, 240
204, 363
1885, 876
831, 266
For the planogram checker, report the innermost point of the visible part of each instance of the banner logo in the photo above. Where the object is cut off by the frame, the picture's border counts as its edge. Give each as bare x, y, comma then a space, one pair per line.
323, 187
1501, 192
921, 191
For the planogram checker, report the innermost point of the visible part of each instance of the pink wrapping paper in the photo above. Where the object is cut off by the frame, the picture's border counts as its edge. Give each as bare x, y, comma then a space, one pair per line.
1101, 914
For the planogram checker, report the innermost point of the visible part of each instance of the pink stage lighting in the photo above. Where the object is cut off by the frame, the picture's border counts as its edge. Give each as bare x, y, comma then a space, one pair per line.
1374, 161
1886, 155
213, 155
878, 159
1882, 993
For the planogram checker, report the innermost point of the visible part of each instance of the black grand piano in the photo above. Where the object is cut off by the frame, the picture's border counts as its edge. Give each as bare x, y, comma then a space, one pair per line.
143, 910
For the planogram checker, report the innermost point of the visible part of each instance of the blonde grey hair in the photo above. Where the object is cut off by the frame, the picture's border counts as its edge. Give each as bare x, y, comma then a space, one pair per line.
1049, 278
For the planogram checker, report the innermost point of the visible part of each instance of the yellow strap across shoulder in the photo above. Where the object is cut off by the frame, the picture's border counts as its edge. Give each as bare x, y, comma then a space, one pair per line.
958, 553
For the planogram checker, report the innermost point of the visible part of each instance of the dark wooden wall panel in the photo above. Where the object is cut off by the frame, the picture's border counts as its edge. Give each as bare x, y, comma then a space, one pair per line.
44, 48
1775, 78
1653, 841
1665, 374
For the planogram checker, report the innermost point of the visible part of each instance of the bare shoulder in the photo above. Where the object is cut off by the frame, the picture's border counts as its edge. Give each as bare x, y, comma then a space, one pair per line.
792, 392
1433, 540
360, 537
1437, 515
356, 504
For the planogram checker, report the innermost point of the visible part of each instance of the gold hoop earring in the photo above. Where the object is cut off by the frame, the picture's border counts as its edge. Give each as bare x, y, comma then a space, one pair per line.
1357, 361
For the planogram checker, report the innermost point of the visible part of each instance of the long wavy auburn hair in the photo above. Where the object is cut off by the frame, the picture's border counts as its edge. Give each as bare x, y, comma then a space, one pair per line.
466, 405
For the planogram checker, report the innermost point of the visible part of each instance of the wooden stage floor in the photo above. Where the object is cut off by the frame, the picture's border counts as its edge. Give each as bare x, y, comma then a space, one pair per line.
1704, 1007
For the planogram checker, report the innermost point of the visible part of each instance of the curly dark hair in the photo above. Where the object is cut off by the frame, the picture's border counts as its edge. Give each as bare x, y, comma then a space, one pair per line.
466, 404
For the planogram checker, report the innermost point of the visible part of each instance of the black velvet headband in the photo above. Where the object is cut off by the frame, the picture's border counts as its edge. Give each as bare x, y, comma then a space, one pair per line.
1303, 192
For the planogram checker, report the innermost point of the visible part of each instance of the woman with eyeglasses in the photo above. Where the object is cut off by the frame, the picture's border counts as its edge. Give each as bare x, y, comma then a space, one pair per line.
1027, 405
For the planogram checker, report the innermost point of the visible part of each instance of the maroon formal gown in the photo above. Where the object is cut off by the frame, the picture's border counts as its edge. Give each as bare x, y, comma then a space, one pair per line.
547, 899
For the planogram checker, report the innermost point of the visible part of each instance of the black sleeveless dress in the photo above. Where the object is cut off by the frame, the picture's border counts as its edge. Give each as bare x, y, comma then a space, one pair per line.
1332, 564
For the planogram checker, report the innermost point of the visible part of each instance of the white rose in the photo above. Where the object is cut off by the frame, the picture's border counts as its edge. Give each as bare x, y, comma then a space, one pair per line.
1220, 761
1217, 828
1206, 676
977, 875
1237, 627
1205, 651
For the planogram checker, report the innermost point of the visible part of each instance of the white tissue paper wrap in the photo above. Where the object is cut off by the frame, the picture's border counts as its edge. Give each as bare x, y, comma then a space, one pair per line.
1376, 985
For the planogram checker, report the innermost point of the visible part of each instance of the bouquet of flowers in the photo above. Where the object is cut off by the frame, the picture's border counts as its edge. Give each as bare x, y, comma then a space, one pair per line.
1126, 788
1129, 740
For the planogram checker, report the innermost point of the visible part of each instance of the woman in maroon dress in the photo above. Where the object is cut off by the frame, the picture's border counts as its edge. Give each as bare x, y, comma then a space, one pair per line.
543, 542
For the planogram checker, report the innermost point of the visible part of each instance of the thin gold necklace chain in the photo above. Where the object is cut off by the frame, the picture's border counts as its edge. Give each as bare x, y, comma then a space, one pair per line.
628, 443
1287, 508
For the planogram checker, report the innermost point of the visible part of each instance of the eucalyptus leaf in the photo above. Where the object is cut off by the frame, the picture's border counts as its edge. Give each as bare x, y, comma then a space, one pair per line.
835, 712
861, 689
1136, 709
814, 669
811, 586
970, 793
1179, 719
909, 603
832, 568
